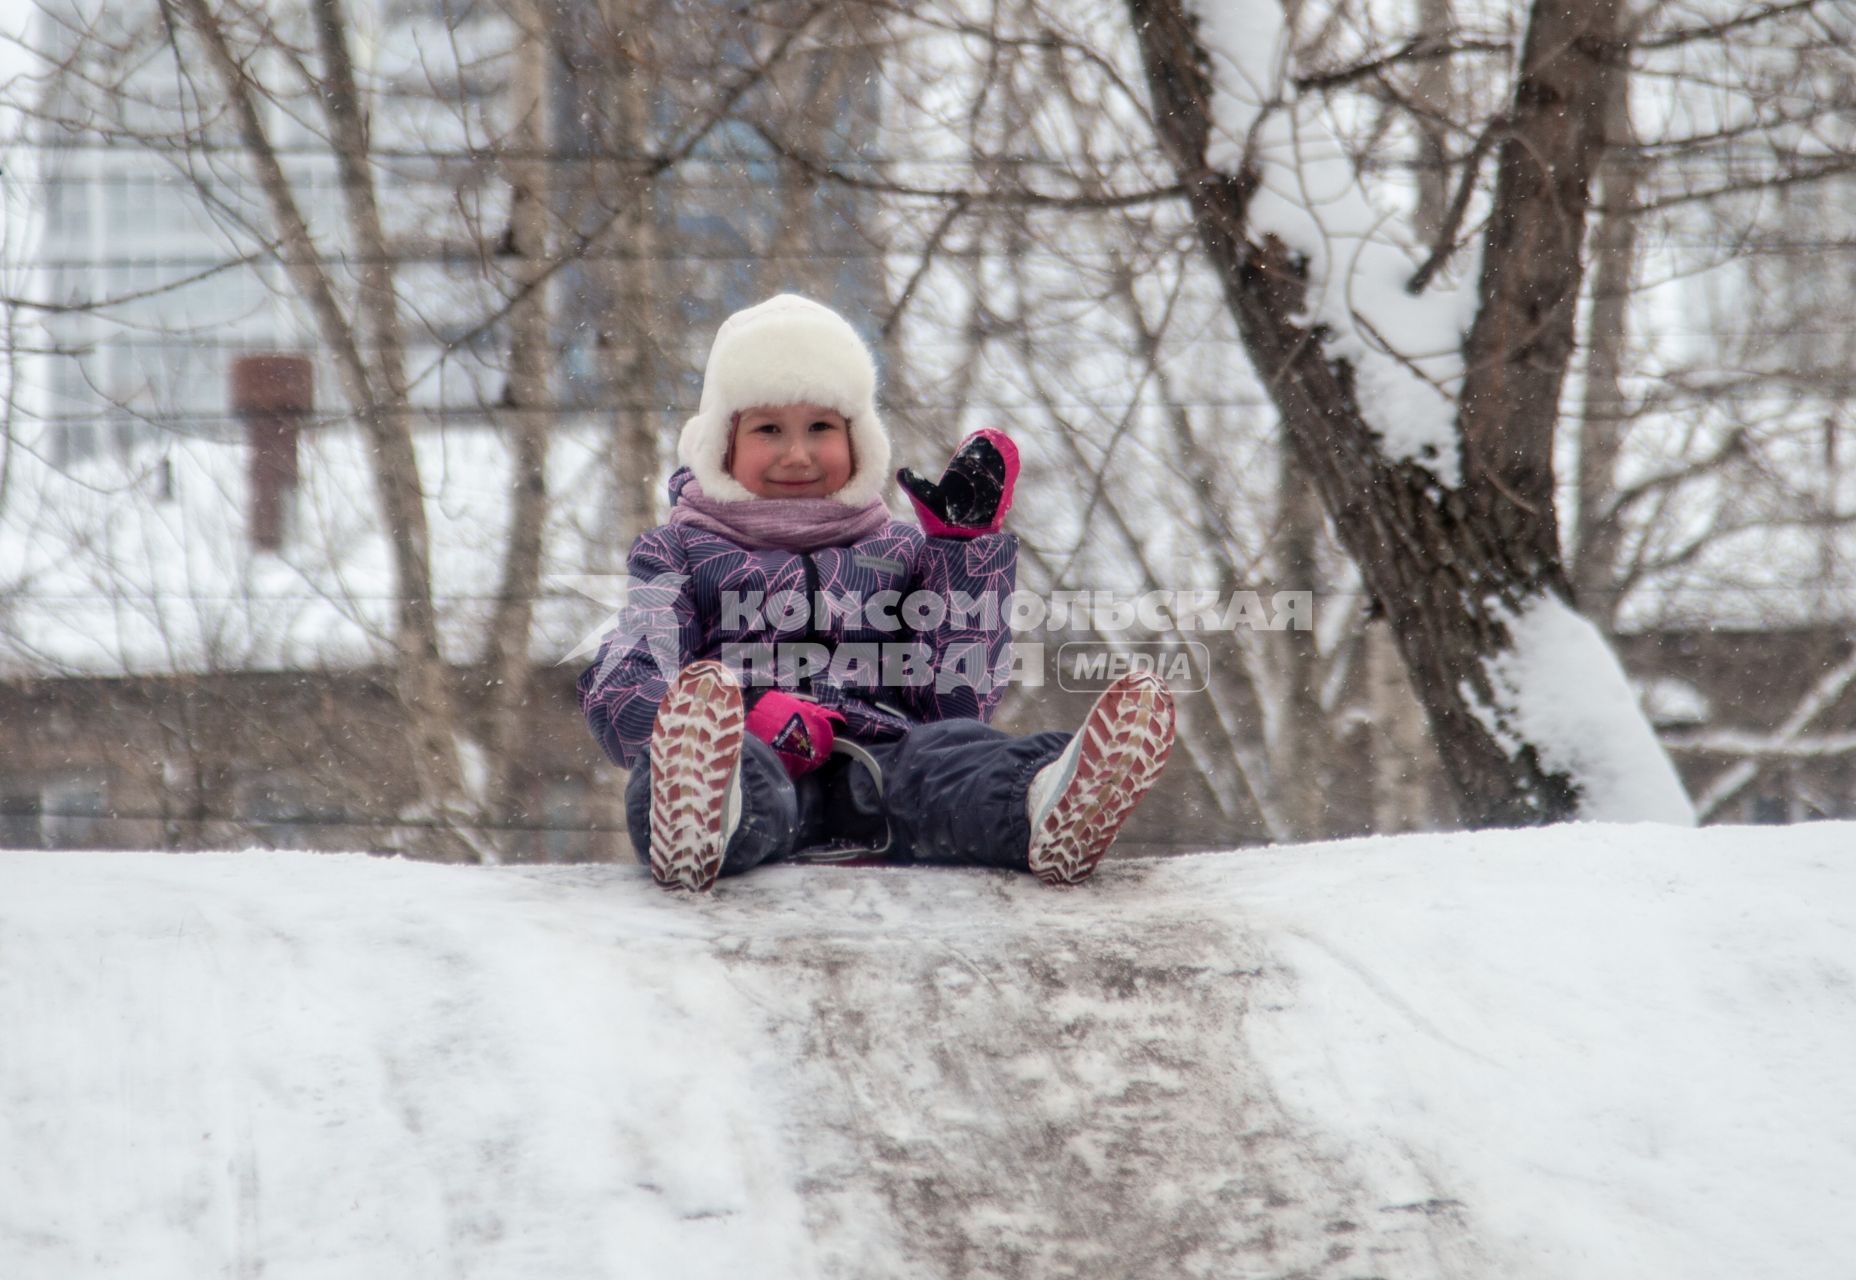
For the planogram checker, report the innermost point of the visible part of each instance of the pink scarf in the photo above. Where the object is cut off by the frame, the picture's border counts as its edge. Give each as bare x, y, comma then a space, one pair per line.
778, 524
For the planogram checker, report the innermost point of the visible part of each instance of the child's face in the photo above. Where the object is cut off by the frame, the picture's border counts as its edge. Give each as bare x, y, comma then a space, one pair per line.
792, 451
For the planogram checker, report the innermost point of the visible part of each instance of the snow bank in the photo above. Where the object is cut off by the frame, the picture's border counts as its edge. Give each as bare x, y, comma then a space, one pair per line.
1593, 1050
1622, 1048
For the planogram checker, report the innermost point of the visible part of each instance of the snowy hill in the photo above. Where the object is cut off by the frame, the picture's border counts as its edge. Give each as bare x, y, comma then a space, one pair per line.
1588, 1051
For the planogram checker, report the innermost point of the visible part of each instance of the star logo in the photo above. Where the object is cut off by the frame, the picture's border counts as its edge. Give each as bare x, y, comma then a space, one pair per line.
641, 613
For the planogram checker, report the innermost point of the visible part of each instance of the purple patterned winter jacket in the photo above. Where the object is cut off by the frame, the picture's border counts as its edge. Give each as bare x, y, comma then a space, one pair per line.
904, 628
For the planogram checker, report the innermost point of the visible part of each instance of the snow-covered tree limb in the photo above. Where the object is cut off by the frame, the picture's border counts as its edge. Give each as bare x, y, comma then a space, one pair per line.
1825, 693
1425, 422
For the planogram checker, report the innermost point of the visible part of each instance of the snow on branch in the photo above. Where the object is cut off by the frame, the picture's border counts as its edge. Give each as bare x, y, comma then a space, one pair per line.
1405, 347
1728, 742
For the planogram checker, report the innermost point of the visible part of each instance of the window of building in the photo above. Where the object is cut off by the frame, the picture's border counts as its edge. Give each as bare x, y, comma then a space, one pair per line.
120, 214
286, 812
73, 442
62, 811
20, 819
70, 389
563, 820
71, 219
76, 812
1770, 807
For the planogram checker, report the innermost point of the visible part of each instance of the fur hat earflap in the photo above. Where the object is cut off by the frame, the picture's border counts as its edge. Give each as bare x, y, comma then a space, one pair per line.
786, 350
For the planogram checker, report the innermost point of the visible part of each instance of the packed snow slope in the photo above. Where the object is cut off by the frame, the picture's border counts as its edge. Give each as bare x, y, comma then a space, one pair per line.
1581, 1052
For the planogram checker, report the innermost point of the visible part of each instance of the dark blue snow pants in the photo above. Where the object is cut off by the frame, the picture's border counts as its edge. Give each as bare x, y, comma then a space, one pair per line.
949, 791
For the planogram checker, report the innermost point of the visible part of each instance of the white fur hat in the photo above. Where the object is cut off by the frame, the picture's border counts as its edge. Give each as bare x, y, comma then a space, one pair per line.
786, 350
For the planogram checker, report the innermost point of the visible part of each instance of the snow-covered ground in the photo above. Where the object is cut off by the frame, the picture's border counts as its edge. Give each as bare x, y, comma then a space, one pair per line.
1588, 1051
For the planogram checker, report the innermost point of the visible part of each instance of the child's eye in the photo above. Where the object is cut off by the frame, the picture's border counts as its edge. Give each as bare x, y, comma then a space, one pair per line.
822, 425
766, 428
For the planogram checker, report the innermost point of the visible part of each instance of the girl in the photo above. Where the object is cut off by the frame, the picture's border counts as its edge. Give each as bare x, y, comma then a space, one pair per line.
768, 696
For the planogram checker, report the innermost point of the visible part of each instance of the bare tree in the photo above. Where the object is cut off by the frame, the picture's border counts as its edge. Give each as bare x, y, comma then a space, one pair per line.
531, 401
1711, 493
1449, 565
437, 285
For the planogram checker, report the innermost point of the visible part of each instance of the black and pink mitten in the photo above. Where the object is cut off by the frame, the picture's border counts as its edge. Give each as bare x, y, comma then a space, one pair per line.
798, 729
973, 494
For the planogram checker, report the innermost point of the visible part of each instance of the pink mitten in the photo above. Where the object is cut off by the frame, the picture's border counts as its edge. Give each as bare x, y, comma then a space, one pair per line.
973, 494
798, 729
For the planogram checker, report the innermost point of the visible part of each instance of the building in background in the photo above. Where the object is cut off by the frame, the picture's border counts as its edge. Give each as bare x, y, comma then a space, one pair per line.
130, 241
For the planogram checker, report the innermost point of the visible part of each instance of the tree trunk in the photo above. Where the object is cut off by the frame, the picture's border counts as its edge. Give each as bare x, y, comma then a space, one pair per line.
1404, 761
633, 367
424, 678
1448, 566
531, 399
1599, 532
375, 390
1305, 748
1435, 92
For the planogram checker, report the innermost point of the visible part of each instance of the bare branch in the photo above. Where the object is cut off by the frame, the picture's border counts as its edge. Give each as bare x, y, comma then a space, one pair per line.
1418, 49
967, 197
1446, 244
1716, 30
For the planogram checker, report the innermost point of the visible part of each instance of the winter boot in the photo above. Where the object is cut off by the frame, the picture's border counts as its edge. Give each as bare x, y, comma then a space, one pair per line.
1078, 802
695, 776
